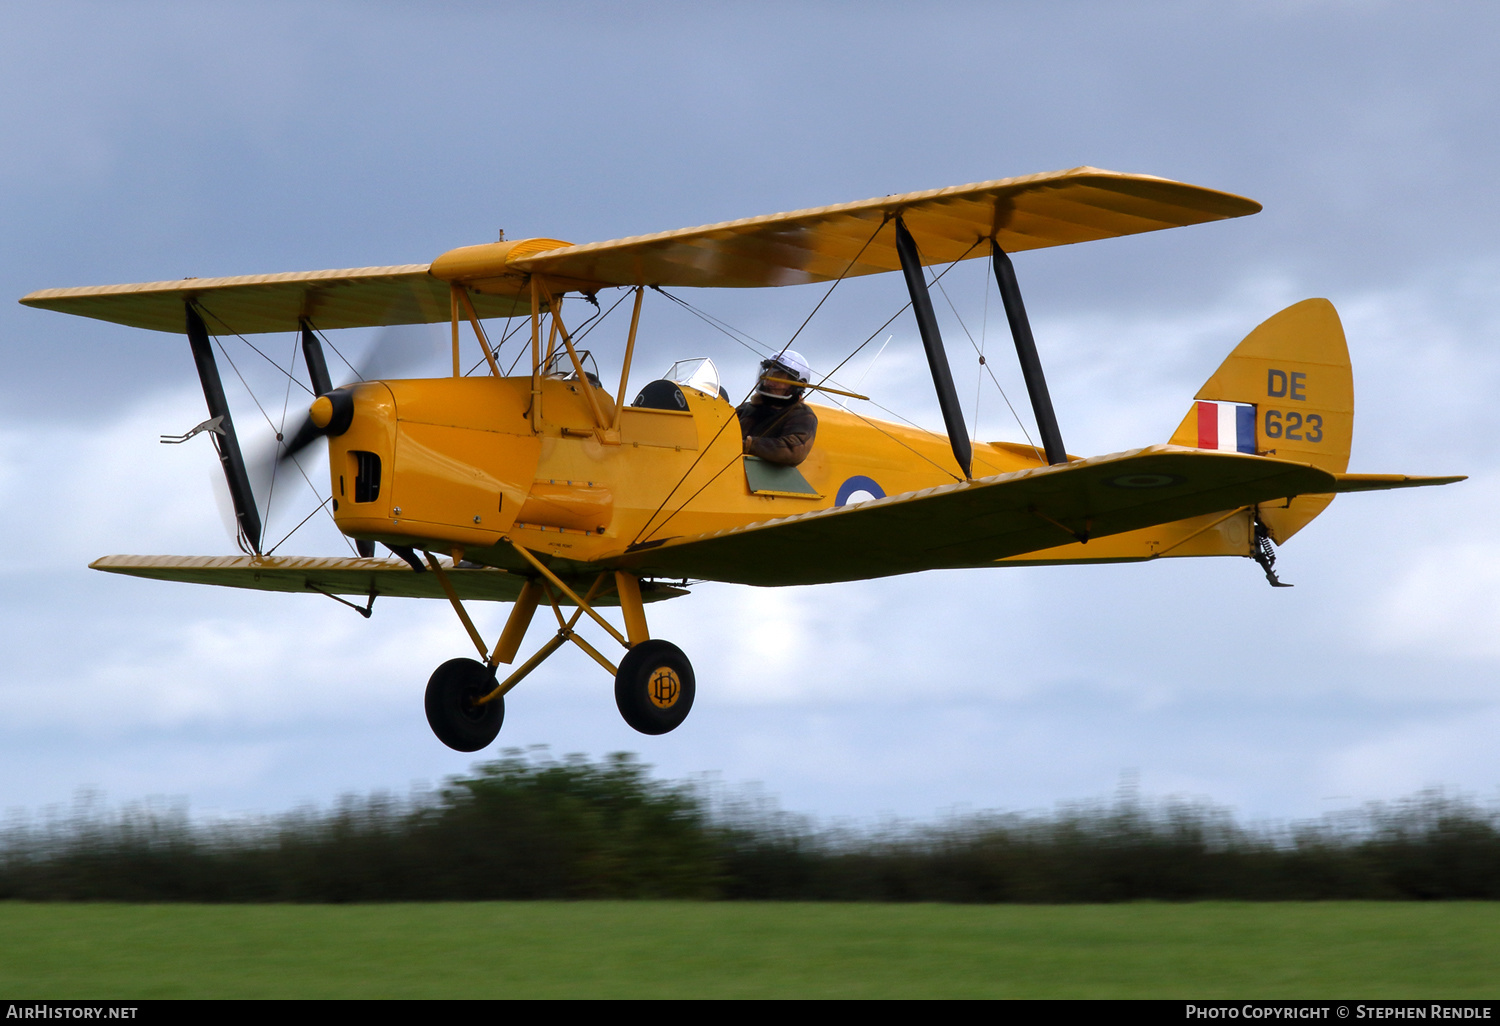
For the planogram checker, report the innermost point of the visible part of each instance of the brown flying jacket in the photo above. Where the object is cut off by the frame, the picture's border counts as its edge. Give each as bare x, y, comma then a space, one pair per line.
779, 432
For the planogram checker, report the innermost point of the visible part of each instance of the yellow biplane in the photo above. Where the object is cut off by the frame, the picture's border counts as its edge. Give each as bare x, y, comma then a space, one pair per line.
547, 486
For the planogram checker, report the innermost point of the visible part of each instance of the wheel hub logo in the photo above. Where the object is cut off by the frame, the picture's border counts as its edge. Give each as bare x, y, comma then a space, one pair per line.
664, 687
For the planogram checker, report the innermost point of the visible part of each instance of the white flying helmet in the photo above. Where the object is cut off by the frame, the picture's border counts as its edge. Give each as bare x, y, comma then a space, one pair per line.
786, 364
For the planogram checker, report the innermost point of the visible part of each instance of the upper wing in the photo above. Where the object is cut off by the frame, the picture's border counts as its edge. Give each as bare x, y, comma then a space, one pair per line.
825, 243
820, 244
337, 576
353, 298
974, 523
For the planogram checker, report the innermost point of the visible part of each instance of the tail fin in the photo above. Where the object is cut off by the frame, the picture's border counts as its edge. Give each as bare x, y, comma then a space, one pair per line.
1286, 391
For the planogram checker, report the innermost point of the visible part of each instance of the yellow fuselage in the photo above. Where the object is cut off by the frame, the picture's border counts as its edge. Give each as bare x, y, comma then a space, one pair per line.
463, 463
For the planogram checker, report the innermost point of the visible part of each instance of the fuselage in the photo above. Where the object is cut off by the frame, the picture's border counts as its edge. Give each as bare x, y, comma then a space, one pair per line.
455, 465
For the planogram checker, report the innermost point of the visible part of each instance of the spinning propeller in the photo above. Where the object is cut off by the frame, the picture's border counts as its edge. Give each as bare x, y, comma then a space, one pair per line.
396, 352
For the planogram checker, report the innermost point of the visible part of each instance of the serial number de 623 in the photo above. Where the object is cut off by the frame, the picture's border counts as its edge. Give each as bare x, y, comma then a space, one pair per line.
1291, 424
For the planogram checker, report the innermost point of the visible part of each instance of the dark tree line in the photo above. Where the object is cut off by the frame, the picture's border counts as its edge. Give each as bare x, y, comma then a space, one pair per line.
530, 828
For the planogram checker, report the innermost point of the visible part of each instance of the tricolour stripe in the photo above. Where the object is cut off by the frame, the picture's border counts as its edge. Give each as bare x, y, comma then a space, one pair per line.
1208, 425
1226, 427
1245, 428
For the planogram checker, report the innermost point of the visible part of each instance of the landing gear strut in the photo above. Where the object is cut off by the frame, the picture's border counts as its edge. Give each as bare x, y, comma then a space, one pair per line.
654, 683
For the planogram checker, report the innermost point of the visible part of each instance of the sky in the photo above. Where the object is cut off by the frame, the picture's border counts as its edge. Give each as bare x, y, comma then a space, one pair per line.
158, 140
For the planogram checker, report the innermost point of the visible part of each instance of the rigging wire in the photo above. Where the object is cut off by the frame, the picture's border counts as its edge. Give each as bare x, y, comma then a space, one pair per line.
984, 331
286, 402
735, 334
252, 345
253, 398
267, 417
509, 331
836, 283
890, 320
691, 467
756, 346
329, 343
985, 364
319, 508
873, 360
731, 332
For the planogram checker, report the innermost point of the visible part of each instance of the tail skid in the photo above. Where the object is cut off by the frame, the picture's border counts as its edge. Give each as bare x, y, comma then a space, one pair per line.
1264, 554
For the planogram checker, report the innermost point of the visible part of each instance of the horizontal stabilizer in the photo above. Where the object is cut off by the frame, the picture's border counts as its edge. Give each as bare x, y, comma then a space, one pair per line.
1382, 482
359, 578
975, 523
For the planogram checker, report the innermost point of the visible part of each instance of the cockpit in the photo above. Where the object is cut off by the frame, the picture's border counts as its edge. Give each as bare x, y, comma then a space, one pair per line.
561, 367
665, 393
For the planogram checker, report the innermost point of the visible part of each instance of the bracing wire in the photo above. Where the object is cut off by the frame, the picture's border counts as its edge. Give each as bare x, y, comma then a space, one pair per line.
253, 398
891, 319
693, 466
279, 368
320, 507
734, 334
509, 331
264, 414
985, 364
754, 345
286, 402
984, 333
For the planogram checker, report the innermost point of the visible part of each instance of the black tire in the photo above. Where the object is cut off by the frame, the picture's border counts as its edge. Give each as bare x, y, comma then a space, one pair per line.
654, 688
451, 712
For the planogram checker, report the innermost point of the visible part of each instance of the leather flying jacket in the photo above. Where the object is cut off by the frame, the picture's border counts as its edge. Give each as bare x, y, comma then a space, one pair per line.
779, 432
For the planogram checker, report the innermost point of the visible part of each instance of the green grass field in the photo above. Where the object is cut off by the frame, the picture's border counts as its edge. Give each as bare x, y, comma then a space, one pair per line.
722, 949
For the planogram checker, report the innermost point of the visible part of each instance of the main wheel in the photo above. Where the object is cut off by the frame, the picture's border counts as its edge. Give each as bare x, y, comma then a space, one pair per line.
654, 688
451, 713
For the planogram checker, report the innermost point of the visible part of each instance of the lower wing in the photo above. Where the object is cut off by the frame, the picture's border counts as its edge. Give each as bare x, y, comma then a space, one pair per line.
363, 578
974, 523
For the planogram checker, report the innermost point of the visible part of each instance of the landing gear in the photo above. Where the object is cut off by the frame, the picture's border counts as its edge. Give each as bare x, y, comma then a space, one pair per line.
451, 710
654, 683
654, 687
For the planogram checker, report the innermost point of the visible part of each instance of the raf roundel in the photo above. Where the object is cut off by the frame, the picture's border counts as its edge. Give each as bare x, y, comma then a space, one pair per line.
858, 489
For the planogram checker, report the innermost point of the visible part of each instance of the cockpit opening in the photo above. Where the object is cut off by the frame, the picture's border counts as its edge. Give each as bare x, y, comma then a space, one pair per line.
665, 393
561, 367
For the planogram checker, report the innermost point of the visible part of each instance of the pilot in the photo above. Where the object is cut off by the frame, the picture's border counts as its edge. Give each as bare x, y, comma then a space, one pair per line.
776, 424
